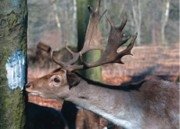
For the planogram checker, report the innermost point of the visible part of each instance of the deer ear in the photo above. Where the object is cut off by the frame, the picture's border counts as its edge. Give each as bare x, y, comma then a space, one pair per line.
72, 79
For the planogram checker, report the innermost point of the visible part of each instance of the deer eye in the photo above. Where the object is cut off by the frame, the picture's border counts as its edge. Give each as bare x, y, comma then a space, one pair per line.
56, 79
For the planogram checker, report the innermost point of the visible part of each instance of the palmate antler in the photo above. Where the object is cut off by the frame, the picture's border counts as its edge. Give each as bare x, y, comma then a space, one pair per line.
110, 55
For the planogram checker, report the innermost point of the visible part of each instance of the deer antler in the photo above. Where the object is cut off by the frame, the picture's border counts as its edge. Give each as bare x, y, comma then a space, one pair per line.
115, 40
110, 55
44, 47
91, 37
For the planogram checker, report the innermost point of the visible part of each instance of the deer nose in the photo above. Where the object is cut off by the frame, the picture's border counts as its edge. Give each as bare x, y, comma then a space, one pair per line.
28, 85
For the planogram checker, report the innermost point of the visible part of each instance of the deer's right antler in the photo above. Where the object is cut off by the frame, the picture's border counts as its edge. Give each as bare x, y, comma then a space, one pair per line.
115, 40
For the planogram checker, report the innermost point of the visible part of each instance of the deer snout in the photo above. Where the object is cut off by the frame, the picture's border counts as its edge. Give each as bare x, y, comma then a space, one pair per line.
28, 85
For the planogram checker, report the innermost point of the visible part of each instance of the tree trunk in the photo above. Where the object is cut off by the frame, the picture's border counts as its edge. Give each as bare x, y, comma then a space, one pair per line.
13, 39
83, 17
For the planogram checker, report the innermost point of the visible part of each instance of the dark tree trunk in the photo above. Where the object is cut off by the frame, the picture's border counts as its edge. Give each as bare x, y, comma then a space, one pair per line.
13, 41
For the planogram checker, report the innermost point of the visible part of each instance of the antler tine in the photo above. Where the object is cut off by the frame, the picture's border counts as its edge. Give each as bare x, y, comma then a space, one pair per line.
75, 56
44, 47
110, 54
126, 51
48, 49
62, 64
102, 14
109, 21
124, 21
92, 28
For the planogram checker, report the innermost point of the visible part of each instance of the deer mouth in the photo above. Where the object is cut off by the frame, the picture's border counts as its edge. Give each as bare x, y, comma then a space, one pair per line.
34, 93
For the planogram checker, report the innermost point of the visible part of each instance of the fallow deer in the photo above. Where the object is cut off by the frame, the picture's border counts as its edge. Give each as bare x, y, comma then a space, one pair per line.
149, 104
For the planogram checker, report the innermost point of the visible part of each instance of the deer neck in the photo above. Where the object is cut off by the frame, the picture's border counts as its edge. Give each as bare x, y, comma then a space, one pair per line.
88, 91
106, 102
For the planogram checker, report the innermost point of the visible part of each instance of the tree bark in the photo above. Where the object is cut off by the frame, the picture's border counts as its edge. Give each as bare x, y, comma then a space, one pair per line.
13, 39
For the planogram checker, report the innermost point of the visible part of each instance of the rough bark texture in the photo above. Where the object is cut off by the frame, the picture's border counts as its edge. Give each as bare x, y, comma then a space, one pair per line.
13, 26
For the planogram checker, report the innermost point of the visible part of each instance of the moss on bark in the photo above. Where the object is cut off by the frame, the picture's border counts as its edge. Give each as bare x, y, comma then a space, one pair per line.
13, 30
